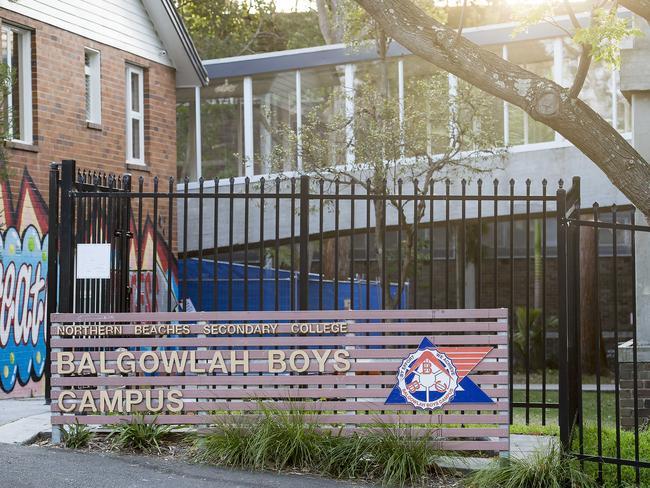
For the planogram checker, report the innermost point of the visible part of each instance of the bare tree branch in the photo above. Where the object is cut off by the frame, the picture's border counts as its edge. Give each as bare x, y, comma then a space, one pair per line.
572, 15
582, 72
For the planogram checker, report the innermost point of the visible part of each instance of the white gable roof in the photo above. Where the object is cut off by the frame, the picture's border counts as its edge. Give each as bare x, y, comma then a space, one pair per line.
152, 30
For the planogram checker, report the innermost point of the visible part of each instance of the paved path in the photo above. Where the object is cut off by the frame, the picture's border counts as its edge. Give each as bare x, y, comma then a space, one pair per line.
37, 467
22, 420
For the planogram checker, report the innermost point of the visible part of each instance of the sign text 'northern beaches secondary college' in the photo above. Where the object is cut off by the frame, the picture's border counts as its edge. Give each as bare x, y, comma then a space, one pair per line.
170, 362
207, 329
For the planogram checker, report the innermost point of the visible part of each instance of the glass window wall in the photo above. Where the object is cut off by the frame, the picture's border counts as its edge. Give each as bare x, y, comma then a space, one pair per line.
185, 134
426, 91
324, 121
622, 109
376, 126
379, 76
537, 57
274, 122
311, 117
222, 128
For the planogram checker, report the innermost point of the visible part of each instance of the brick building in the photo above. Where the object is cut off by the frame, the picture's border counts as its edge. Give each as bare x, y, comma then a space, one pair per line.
93, 81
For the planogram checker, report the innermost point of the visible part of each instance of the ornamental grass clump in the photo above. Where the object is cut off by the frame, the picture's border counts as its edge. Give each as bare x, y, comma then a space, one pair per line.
76, 436
228, 445
546, 468
277, 440
393, 455
140, 435
349, 457
403, 457
286, 440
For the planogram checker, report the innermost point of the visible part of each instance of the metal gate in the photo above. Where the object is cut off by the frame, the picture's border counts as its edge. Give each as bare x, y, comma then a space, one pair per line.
604, 411
73, 221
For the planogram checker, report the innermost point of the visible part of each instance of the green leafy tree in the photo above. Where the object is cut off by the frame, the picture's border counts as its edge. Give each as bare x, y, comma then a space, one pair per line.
223, 28
432, 142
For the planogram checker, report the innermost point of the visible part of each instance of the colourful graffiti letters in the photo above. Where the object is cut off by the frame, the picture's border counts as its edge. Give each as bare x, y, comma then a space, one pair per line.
23, 289
166, 270
22, 307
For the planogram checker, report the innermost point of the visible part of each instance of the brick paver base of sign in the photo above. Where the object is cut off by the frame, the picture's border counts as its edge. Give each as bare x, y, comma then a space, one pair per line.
341, 367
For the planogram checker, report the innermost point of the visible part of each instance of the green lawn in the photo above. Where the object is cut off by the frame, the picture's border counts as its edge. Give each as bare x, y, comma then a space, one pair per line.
552, 377
607, 406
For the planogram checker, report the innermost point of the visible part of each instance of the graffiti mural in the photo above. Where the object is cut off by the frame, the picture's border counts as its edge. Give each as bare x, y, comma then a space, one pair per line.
23, 287
166, 269
23, 284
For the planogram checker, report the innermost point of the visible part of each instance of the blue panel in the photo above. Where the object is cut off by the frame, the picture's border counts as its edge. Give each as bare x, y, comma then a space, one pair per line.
188, 273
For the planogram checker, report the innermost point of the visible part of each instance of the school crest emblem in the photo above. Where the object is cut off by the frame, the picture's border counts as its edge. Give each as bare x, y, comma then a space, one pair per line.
432, 377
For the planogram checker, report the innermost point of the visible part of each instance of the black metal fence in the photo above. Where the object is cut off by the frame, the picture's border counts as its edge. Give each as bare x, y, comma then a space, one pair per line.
307, 243
606, 416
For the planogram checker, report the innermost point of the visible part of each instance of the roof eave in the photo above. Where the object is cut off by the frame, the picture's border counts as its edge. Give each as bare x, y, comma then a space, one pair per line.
178, 42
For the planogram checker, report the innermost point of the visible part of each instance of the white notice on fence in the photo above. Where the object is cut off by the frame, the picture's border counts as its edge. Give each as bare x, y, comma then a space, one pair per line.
93, 261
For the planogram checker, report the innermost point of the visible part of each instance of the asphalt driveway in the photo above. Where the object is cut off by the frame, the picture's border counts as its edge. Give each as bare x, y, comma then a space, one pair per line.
38, 467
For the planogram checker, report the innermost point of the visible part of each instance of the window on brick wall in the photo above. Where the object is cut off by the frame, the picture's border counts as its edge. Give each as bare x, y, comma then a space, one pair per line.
134, 115
92, 73
17, 95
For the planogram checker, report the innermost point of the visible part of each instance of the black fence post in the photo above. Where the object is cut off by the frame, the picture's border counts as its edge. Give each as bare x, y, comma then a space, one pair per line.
125, 235
568, 241
52, 270
66, 247
563, 360
303, 282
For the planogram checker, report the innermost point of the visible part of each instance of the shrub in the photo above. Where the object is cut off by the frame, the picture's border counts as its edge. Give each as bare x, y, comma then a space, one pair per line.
390, 454
286, 440
546, 468
227, 446
140, 435
278, 440
77, 436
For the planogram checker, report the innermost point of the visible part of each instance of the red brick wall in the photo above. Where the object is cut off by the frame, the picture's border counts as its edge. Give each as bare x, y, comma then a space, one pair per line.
60, 129
61, 132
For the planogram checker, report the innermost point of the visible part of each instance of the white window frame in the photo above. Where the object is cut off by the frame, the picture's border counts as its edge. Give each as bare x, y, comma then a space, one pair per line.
25, 82
132, 115
94, 90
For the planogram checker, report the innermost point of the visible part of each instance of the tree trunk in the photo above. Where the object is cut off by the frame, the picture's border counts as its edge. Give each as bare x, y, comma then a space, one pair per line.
541, 98
328, 259
589, 305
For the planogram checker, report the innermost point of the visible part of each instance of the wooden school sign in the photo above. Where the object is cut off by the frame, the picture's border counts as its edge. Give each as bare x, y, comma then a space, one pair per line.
436, 370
